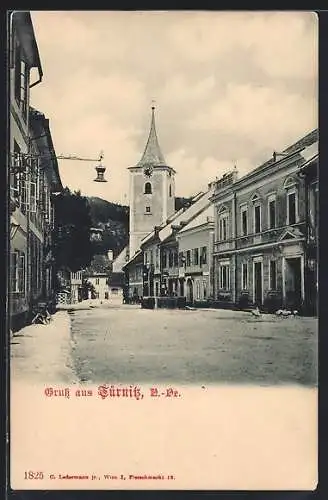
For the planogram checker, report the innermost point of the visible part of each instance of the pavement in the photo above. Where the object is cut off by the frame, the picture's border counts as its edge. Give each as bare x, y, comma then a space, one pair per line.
43, 352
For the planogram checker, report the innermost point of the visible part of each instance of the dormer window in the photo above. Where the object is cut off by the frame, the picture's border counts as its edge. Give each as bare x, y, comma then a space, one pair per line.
148, 189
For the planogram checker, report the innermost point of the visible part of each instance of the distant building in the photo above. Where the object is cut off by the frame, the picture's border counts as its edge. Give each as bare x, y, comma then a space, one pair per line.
75, 287
100, 283
196, 244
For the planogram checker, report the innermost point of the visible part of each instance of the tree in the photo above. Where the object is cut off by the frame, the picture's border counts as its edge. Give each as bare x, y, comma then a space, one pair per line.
87, 287
72, 245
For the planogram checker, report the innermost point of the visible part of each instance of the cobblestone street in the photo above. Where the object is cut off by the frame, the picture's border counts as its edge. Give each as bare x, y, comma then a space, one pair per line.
129, 344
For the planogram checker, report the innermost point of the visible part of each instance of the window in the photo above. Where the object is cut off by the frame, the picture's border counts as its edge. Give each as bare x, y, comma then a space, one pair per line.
151, 257
188, 258
170, 190
18, 277
97, 281
223, 224
182, 259
244, 225
257, 218
146, 257
197, 290
273, 275
196, 256
171, 259
203, 259
15, 175
176, 259
17, 71
148, 189
157, 257
204, 289
224, 277
14, 272
244, 276
164, 259
147, 210
291, 208
272, 212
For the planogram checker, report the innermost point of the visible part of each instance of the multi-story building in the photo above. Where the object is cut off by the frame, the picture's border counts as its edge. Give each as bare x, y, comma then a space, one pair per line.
195, 244
33, 175
260, 233
164, 272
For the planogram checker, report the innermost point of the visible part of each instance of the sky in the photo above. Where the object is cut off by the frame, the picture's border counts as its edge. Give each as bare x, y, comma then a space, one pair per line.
229, 88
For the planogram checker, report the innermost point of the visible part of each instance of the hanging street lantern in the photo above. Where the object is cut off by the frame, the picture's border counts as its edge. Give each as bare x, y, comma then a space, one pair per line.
100, 169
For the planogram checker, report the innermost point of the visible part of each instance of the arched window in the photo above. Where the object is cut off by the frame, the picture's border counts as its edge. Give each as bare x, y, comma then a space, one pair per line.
148, 188
170, 190
223, 229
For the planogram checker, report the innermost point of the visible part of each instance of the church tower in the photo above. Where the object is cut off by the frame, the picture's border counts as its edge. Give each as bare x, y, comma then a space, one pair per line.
152, 190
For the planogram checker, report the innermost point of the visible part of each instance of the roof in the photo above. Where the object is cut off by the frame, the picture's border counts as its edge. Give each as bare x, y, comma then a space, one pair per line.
298, 146
24, 28
134, 257
311, 152
185, 215
120, 261
152, 154
207, 215
40, 125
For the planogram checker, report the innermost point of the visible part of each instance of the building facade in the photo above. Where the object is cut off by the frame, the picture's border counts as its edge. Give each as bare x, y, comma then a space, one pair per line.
100, 283
195, 246
33, 176
260, 233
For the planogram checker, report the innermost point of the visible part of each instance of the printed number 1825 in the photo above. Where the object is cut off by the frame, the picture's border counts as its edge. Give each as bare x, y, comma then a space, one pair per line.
33, 475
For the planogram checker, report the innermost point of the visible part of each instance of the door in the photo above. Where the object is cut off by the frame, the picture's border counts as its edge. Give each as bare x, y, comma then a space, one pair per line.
258, 283
293, 282
190, 291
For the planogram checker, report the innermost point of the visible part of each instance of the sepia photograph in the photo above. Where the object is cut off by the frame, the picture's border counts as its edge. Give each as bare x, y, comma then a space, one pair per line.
163, 215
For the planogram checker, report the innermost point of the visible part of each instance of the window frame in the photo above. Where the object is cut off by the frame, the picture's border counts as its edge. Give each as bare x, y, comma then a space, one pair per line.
243, 210
148, 189
225, 266
257, 204
291, 191
272, 198
223, 224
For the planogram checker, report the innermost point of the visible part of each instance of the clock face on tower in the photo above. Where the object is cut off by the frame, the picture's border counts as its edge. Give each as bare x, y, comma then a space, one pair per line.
148, 170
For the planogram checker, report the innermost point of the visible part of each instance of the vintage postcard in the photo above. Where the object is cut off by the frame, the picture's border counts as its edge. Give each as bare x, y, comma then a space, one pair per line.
162, 248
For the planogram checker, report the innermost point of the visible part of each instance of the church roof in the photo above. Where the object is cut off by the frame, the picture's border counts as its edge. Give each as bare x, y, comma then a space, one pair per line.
152, 154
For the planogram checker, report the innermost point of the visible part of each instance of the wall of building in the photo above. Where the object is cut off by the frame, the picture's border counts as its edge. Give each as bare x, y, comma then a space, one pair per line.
160, 203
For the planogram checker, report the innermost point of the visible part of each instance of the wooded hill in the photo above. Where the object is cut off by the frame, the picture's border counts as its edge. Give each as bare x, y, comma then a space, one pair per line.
113, 219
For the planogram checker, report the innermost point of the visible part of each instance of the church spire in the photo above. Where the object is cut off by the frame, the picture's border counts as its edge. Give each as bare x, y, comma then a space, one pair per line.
152, 154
